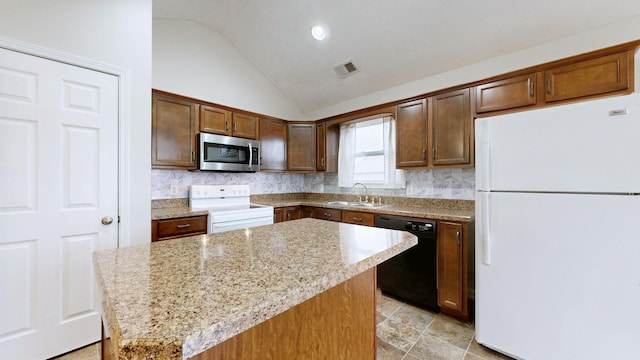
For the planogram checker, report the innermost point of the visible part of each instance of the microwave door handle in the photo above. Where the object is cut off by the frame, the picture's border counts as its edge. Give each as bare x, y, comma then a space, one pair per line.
250, 156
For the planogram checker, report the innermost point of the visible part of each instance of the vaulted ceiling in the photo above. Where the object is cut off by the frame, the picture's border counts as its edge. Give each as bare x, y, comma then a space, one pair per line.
390, 42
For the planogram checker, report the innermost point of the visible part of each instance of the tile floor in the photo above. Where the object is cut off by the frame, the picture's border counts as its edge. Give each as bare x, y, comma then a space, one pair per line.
404, 333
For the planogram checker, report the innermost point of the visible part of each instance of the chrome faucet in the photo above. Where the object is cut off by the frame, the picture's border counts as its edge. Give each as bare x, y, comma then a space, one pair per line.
366, 195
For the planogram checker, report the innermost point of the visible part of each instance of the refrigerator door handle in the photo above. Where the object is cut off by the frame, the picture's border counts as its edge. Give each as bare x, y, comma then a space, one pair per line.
485, 232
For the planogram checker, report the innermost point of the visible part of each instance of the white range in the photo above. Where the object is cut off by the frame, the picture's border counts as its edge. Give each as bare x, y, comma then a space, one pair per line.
229, 207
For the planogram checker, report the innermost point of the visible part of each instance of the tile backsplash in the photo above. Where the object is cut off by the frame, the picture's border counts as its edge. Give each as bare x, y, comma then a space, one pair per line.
439, 184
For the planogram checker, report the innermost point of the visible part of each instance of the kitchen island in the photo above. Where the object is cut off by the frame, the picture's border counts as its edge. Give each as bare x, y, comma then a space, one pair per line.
299, 289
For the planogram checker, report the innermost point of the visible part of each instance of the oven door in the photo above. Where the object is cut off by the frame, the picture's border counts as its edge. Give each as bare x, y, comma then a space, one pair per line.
227, 153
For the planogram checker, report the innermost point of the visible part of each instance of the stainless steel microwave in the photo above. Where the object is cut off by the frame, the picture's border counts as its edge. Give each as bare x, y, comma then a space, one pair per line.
228, 153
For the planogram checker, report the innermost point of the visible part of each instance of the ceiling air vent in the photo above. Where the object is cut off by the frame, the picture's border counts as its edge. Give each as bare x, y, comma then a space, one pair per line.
346, 69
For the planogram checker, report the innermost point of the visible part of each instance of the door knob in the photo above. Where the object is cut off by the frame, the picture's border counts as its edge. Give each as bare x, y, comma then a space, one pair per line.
107, 220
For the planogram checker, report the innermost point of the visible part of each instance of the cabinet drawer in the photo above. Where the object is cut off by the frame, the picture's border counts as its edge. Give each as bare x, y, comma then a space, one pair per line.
186, 226
359, 218
327, 214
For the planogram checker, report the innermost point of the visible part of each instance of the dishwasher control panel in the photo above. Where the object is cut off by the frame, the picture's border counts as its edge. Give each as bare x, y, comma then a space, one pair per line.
422, 227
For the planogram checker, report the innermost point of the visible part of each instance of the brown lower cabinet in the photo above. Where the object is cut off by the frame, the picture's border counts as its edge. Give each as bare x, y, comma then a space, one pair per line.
358, 218
166, 229
327, 214
455, 269
455, 254
286, 213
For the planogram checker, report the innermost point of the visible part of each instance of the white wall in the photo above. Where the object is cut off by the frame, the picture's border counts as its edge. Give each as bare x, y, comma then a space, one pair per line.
595, 39
192, 60
116, 33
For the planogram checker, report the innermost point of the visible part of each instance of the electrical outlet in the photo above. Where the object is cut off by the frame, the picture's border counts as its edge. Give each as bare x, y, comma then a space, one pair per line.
173, 189
429, 190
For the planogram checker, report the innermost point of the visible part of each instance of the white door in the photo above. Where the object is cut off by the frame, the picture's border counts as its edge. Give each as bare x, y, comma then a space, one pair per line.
58, 180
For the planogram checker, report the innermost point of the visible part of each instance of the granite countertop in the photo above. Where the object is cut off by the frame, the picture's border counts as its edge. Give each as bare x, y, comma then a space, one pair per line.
175, 212
436, 209
177, 298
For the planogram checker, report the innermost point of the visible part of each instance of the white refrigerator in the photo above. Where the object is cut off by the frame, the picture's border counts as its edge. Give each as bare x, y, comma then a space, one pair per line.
558, 231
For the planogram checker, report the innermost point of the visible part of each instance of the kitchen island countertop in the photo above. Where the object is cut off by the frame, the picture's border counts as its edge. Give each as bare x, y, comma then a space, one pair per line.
175, 299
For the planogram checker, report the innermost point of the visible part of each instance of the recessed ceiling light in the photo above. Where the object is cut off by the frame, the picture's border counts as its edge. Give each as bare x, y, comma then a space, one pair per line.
318, 32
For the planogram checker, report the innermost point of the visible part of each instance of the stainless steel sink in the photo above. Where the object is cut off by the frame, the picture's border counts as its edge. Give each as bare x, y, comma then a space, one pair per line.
358, 204
371, 205
337, 203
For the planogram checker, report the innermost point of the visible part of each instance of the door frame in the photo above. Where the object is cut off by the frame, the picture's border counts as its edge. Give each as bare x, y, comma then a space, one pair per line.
124, 117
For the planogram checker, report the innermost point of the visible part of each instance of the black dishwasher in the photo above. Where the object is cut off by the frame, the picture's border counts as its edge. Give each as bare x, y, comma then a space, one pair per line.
411, 275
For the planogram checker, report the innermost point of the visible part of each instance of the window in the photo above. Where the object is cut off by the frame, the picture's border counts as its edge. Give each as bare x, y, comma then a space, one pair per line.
367, 154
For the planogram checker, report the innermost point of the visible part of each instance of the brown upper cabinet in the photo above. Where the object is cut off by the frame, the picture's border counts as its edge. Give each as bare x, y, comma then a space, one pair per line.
411, 134
321, 147
224, 122
602, 75
174, 124
451, 128
564, 80
515, 92
273, 144
435, 132
301, 146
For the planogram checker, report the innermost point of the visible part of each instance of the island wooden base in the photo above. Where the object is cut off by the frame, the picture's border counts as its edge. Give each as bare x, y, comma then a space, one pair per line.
336, 324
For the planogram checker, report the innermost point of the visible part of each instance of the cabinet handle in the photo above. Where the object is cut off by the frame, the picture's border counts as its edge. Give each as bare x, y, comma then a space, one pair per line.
548, 86
327, 214
226, 125
424, 154
322, 162
184, 226
235, 126
458, 238
357, 218
433, 153
531, 87
193, 156
288, 216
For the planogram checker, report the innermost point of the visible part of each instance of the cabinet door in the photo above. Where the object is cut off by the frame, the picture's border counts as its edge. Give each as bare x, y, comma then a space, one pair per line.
301, 147
292, 213
451, 128
411, 134
515, 92
332, 136
273, 145
278, 214
451, 268
214, 120
174, 142
321, 151
306, 212
586, 78
245, 126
